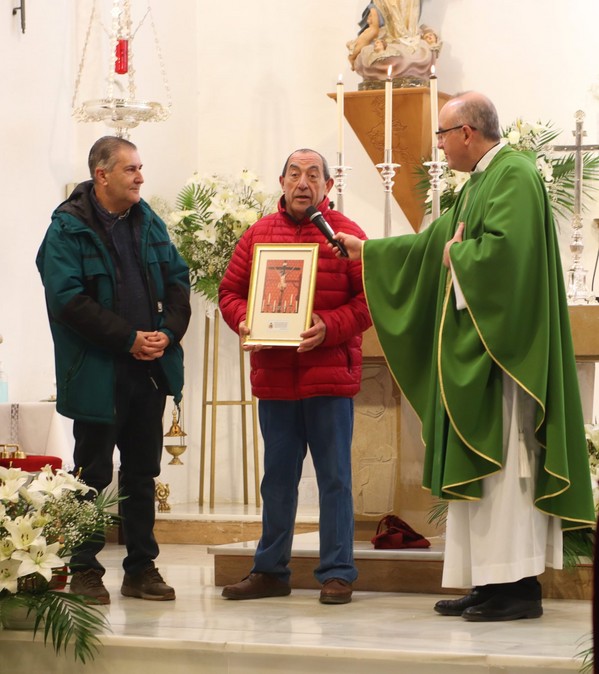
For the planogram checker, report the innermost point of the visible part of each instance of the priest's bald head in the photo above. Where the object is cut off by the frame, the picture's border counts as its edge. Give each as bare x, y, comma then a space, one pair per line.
468, 129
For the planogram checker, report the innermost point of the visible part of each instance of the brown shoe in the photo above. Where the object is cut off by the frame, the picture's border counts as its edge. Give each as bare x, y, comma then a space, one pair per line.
257, 586
89, 584
148, 584
335, 591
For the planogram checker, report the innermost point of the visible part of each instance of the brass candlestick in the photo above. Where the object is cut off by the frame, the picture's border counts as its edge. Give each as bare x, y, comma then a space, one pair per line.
15, 453
175, 431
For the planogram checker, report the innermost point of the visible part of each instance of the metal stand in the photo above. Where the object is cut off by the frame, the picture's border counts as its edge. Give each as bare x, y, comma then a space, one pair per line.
435, 171
339, 173
387, 169
212, 328
578, 292
577, 289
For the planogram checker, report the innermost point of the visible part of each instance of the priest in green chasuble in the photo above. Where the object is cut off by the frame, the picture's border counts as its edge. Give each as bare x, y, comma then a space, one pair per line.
472, 316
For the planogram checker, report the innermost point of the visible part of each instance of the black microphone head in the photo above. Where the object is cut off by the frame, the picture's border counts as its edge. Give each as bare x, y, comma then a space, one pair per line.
312, 212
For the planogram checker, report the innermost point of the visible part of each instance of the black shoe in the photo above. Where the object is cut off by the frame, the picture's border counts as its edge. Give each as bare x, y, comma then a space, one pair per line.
477, 595
504, 608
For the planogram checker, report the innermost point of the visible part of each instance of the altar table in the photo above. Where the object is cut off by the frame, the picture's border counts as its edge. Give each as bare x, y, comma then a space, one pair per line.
38, 429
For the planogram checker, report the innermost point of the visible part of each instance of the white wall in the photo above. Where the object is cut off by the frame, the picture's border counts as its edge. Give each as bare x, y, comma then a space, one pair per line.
249, 84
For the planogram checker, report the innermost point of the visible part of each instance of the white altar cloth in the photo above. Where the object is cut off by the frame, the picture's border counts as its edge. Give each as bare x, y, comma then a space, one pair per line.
39, 429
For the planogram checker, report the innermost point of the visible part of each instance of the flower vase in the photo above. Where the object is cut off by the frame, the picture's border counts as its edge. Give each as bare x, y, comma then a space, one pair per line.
15, 615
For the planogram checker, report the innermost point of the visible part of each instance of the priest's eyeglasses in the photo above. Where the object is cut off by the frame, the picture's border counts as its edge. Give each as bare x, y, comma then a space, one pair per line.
441, 132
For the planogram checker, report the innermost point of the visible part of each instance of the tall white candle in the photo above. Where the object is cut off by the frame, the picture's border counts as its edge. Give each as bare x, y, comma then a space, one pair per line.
434, 113
388, 110
340, 103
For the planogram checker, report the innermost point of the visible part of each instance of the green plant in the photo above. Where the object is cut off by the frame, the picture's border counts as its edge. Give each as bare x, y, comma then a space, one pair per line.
65, 619
586, 654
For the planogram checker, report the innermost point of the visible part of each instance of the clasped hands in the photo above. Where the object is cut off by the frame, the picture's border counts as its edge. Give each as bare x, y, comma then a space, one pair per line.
149, 345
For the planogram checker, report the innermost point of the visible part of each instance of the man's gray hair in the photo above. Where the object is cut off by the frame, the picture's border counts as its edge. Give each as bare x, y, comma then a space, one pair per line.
103, 153
325, 165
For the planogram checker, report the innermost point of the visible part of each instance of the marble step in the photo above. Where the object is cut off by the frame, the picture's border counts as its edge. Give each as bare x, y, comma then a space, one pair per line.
383, 570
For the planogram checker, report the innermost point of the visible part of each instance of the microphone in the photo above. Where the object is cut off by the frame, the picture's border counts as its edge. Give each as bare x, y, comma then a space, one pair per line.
317, 219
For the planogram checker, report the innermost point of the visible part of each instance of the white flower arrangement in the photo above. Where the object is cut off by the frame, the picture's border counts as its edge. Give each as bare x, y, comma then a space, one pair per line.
43, 517
212, 213
592, 436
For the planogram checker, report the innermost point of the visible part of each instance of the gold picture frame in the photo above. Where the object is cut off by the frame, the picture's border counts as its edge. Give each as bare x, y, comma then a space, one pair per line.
281, 294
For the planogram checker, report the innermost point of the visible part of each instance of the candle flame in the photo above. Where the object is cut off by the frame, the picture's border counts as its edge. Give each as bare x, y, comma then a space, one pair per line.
389, 72
433, 70
340, 79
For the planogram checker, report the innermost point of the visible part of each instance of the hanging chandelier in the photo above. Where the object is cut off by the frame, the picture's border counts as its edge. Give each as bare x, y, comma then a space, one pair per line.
120, 108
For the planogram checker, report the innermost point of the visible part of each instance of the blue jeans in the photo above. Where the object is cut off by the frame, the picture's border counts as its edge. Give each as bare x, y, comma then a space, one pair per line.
289, 427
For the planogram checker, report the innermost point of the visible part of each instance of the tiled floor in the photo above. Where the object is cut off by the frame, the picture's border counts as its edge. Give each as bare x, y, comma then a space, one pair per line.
382, 632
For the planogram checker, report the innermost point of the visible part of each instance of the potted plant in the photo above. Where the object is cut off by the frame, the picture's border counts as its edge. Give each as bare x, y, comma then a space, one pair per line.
43, 517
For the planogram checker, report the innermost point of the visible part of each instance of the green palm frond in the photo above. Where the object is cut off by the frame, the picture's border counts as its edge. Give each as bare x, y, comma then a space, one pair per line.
578, 545
66, 620
197, 199
561, 189
586, 654
437, 515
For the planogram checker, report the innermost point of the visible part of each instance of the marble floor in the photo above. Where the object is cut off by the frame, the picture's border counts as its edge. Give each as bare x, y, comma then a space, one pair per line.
386, 632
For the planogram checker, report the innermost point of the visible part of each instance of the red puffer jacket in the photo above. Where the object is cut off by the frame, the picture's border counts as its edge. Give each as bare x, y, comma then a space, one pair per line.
334, 368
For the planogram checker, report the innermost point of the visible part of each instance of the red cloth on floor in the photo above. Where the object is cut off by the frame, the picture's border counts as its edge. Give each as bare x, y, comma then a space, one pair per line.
395, 534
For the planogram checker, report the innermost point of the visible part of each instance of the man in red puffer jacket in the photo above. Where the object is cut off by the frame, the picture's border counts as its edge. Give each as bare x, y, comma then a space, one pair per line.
305, 393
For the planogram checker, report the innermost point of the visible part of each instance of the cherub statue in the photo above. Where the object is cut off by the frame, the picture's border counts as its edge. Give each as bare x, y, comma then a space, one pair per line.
366, 36
391, 36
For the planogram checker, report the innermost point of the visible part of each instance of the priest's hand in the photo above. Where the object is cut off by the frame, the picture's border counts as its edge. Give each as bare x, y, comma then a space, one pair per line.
457, 238
352, 244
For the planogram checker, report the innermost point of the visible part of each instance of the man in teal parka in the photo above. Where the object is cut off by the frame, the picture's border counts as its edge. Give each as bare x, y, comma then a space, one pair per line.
117, 293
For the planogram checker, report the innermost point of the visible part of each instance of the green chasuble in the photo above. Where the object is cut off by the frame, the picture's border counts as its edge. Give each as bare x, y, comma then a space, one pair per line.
449, 363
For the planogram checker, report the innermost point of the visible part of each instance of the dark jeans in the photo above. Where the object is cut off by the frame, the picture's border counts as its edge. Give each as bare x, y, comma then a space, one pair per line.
137, 432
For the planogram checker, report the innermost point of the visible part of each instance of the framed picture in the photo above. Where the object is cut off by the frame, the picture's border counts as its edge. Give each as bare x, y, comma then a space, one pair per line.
281, 293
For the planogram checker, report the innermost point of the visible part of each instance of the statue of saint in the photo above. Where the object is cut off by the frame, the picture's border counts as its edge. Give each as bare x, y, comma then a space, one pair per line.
390, 35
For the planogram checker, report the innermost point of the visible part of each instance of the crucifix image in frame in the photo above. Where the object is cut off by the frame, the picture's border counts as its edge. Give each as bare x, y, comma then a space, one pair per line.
281, 293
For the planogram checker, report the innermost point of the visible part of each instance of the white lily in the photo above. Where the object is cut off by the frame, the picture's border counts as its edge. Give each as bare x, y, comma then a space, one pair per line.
9, 489
7, 547
22, 532
54, 484
8, 575
40, 558
11, 473
513, 137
